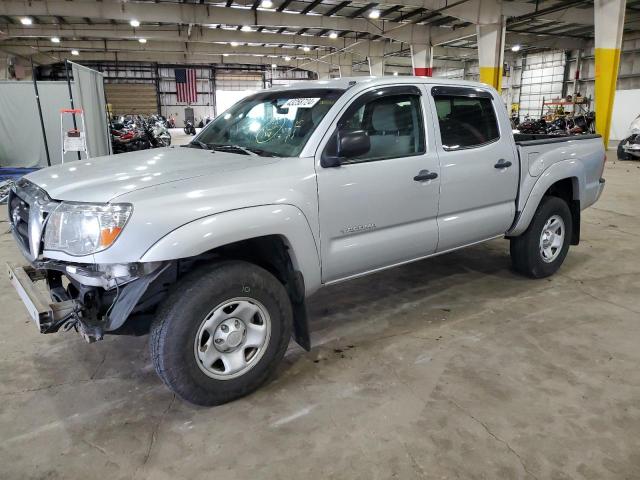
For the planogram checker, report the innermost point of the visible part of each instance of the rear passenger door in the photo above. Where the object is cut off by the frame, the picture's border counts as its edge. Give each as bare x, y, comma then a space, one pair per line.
479, 174
379, 208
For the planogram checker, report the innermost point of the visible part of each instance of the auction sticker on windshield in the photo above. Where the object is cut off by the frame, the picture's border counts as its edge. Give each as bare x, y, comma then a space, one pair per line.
301, 102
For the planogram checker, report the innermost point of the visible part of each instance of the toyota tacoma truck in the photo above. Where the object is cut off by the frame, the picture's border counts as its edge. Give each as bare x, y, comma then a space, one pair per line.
212, 248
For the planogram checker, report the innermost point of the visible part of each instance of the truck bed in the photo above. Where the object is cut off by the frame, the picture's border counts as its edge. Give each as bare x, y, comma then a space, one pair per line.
539, 139
538, 153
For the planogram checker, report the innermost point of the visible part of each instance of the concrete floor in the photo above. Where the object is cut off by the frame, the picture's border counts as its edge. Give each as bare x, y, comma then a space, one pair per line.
178, 137
448, 368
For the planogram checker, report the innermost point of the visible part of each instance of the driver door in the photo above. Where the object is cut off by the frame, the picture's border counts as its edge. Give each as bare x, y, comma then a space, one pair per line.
377, 210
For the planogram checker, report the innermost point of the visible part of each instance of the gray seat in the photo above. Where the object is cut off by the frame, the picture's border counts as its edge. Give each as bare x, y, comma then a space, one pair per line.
387, 135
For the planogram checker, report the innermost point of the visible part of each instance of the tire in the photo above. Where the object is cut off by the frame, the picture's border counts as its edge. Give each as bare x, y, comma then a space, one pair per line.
622, 155
527, 255
199, 307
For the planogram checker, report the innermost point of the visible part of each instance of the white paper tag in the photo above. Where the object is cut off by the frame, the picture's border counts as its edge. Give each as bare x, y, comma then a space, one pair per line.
300, 102
74, 144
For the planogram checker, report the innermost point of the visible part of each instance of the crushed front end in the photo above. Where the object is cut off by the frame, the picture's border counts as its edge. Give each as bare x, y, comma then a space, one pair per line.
61, 294
632, 145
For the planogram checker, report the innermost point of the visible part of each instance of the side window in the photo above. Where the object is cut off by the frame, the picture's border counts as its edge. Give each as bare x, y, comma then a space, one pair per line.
466, 122
393, 124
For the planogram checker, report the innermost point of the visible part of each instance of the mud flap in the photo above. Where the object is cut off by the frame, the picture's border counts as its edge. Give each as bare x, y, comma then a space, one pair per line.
295, 288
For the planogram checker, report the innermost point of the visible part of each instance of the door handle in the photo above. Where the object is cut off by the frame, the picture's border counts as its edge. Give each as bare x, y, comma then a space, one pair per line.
502, 164
425, 175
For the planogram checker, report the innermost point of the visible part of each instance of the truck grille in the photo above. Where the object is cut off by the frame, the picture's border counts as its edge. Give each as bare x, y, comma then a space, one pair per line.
19, 218
29, 206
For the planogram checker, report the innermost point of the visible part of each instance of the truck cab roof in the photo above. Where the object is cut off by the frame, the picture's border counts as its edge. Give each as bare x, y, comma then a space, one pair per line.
364, 82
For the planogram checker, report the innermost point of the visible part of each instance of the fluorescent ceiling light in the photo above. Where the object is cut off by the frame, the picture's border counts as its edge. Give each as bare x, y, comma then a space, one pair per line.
287, 59
246, 28
374, 14
55, 40
75, 52
306, 49
234, 44
515, 48
134, 23
26, 20
333, 35
142, 40
266, 4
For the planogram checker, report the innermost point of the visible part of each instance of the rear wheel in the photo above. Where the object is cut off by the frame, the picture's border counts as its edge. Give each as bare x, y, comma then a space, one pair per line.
221, 333
541, 249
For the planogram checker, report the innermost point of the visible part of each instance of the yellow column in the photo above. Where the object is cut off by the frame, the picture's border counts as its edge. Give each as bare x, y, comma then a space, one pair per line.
492, 76
609, 24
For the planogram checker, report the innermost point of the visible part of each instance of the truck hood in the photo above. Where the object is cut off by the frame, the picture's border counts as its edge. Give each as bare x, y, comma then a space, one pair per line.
102, 179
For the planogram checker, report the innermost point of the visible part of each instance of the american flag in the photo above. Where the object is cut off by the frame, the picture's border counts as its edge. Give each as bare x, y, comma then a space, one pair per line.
186, 85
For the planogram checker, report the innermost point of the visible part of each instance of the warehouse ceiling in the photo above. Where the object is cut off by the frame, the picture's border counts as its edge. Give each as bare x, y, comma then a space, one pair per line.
280, 31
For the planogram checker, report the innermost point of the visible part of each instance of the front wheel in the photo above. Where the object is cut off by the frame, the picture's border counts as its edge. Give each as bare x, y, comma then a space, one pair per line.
622, 155
541, 249
221, 333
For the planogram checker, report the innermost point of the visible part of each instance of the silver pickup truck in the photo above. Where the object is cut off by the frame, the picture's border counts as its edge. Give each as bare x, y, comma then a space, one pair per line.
214, 248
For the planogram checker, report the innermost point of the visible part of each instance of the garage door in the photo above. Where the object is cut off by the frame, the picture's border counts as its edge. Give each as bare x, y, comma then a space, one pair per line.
131, 99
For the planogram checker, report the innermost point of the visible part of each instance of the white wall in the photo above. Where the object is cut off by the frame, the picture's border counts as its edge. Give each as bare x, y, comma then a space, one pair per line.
626, 107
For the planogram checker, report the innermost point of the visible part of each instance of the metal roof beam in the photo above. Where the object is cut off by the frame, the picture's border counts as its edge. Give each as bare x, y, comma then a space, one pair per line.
192, 14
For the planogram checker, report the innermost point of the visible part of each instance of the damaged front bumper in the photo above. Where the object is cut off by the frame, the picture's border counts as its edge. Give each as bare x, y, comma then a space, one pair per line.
43, 311
632, 145
97, 298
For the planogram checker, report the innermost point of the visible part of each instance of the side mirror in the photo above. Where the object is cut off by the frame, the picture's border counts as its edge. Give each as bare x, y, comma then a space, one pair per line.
348, 145
353, 144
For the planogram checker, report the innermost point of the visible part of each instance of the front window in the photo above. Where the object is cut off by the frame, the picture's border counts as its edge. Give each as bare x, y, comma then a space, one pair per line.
269, 123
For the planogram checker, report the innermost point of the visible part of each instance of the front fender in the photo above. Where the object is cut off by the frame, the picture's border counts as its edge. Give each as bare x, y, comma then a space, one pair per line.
564, 169
207, 233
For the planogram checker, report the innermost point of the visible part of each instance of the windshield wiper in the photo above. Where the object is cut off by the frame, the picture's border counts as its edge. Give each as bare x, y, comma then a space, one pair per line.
262, 153
243, 150
198, 144
236, 148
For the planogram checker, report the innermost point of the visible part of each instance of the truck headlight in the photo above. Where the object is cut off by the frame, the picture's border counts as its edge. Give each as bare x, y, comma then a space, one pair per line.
83, 229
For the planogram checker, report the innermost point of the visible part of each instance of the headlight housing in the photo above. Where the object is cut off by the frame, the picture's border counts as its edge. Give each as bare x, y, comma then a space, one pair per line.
83, 229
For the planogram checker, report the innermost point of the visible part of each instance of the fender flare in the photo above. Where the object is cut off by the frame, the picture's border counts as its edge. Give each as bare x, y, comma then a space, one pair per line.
217, 230
562, 170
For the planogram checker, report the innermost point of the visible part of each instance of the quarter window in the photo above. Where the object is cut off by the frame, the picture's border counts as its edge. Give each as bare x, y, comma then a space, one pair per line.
466, 122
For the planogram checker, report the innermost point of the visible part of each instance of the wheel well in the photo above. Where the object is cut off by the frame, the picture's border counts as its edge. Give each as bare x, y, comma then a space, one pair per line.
567, 190
271, 252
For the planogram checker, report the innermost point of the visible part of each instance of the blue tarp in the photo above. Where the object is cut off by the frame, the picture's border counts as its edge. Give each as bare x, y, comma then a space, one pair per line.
15, 173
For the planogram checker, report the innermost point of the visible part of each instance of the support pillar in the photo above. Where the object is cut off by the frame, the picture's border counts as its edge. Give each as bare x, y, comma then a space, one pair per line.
323, 70
609, 24
376, 59
491, 31
422, 60
345, 64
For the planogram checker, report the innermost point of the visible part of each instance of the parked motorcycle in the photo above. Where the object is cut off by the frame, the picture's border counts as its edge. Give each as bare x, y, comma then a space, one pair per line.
189, 129
132, 133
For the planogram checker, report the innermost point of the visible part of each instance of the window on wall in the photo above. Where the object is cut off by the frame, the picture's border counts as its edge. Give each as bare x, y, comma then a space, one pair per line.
466, 122
393, 124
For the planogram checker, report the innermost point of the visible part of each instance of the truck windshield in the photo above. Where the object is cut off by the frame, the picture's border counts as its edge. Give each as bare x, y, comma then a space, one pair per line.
276, 124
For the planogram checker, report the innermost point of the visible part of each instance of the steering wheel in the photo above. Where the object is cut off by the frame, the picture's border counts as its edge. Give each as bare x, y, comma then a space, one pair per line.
269, 130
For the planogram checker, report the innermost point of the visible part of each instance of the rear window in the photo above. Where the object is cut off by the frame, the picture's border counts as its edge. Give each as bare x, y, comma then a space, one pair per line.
466, 122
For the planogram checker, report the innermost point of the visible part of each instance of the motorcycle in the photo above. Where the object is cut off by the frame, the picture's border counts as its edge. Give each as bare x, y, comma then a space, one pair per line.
189, 129
130, 134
